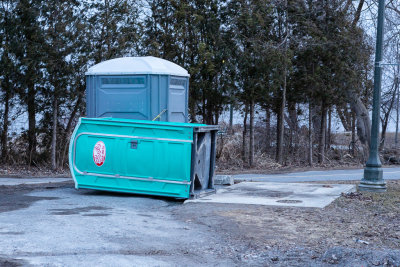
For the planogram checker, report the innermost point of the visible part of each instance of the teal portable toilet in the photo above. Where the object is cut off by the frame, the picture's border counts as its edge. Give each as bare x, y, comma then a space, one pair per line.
119, 148
139, 88
145, 157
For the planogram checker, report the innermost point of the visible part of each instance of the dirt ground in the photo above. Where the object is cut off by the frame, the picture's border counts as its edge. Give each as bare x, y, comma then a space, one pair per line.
357, 229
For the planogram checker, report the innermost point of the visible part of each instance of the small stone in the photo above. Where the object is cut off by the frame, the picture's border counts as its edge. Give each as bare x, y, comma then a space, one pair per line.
376, 263
347, 156
362, 241
223, 180
274, 259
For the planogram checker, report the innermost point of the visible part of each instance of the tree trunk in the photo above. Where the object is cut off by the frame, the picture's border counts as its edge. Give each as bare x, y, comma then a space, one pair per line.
192, 112
321, 148
210, 117
358, 13
4, 136
281, 125
353, 135
54, 135
383, 137
268, 129
316, 120
244, 133
293, 126
230, 117
216, 117
328, 134
310, 136
251, 152
363, 120
279, 137
31, 124
344, 117
203, 109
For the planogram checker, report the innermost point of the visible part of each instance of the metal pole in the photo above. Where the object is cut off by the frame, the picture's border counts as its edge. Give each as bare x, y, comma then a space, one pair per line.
397, 109
373, 173
230, 116
396, 140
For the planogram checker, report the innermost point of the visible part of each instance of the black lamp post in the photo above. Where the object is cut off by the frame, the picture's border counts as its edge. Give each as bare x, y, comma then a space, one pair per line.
373, 173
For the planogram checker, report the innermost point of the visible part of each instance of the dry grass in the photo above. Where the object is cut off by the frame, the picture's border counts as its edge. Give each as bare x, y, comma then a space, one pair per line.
18, 171
338, 155
371, 217
230, 156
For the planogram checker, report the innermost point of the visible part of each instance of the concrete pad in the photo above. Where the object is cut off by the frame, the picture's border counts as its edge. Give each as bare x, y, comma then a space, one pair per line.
19, 181
278, 194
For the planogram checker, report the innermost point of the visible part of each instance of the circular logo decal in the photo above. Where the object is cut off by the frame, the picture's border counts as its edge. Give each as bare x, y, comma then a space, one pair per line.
99, 153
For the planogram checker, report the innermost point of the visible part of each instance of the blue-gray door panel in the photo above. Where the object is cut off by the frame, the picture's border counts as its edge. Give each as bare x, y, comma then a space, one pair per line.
119, 100
177, 97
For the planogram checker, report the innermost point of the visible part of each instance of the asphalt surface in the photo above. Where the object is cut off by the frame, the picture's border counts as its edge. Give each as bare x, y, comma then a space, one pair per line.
32, 181
61, 226
313, 176
52, 224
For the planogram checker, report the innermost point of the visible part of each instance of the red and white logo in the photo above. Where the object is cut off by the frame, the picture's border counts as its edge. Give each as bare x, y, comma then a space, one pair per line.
99, 153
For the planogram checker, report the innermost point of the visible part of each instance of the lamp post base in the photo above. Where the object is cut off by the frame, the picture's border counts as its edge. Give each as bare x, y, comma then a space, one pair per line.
373, 180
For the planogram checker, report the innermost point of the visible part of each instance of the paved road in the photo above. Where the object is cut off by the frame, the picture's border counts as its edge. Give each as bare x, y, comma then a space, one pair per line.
66, 227
310, 176
31, 181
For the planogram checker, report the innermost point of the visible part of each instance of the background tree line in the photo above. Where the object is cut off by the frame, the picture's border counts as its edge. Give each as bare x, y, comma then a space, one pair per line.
279, 59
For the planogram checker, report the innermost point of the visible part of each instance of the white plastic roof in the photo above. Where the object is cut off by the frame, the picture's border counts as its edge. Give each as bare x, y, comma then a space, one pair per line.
137, 65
